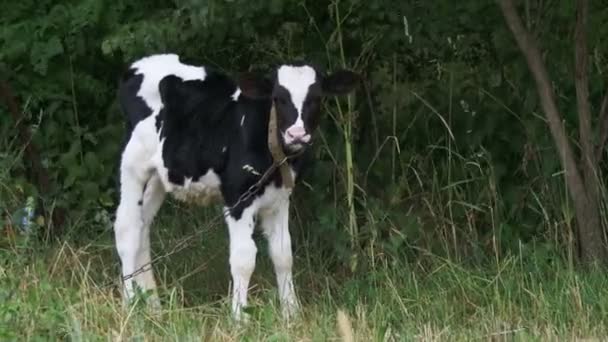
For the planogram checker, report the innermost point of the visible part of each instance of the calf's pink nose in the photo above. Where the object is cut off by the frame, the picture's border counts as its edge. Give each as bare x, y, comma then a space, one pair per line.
296, 133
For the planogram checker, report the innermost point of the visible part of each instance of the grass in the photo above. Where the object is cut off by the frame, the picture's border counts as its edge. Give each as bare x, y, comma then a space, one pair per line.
70, 291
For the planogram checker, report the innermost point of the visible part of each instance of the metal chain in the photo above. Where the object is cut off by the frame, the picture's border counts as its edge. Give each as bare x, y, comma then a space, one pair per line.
252, 190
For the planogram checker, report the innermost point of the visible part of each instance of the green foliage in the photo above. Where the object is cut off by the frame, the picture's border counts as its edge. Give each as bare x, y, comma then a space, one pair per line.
450, 151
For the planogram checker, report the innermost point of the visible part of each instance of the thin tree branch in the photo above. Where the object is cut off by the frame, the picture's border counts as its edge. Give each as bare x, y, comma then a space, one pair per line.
603, 120
581, 80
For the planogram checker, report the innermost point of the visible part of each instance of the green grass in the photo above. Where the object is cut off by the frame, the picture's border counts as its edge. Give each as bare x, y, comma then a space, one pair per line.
70, 291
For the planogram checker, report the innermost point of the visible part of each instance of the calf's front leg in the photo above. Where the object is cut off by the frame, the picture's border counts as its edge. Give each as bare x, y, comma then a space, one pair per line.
242, 257
275, 223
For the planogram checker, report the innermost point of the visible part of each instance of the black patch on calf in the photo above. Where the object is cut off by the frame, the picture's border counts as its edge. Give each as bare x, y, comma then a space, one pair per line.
311, 109
198, 120
255, 86
133, 106
285, 106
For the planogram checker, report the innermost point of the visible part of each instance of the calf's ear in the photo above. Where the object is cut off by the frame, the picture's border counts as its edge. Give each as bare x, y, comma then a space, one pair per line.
255, 86
340, 82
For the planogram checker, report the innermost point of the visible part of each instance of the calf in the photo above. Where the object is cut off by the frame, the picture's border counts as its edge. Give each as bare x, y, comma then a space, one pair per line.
196, 133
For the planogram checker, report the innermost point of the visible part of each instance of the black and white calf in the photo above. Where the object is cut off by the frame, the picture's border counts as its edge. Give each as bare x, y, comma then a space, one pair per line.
196, 133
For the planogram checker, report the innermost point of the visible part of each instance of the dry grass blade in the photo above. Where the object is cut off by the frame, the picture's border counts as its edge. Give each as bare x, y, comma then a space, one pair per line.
345, 327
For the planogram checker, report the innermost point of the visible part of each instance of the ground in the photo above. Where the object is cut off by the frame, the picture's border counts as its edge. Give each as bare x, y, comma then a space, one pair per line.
69, 290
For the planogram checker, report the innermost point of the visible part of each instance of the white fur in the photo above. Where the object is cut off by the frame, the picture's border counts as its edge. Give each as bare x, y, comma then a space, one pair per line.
236, 94
204, 191
142, 167
242, 257
273, 209
250, 169
130, 228
155, 68
275, 223
296, 79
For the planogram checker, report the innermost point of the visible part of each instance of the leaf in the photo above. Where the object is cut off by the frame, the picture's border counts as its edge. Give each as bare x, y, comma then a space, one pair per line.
88, 136
42, 52
107, 47
40, 221
91, 162
275, 6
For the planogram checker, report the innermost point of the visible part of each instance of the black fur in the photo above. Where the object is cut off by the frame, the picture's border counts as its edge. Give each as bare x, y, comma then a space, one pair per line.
134, 107
201, 125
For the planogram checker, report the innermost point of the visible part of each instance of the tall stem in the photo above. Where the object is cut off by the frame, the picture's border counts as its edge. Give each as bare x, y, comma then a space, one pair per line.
347, 135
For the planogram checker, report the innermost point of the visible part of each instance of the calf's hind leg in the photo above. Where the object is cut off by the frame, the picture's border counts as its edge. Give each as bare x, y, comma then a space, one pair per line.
131, 227
154, 195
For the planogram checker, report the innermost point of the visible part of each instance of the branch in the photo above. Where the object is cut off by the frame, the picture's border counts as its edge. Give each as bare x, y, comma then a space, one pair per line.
581, 80
530, 50
603, 120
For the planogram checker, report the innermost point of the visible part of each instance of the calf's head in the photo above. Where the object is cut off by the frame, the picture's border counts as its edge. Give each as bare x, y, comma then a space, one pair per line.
297, 91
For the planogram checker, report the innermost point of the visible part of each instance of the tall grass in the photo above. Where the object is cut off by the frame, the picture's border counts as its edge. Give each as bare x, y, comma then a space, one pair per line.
66, 291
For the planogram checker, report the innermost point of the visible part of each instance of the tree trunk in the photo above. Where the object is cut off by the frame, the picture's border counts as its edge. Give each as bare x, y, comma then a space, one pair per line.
591, 236
585, 202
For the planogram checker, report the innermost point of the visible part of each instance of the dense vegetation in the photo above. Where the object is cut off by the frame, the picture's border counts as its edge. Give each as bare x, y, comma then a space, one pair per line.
452, 171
